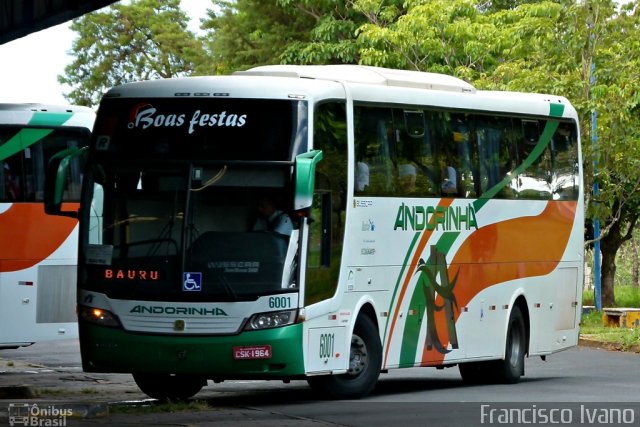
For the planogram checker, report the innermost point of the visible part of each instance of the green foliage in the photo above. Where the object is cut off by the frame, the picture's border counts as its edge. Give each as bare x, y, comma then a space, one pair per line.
246, 33
553, 47
331, 38
144, 39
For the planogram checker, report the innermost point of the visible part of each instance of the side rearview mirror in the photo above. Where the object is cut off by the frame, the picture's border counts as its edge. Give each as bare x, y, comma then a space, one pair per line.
56, 180
305, 178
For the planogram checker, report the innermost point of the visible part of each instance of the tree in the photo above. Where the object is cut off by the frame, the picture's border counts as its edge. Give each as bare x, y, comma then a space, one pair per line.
613, 43
247, 33
332, 38
538, 46
141, 40
524, 45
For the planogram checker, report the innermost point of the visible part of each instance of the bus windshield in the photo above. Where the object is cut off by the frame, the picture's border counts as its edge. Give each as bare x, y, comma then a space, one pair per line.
181, 222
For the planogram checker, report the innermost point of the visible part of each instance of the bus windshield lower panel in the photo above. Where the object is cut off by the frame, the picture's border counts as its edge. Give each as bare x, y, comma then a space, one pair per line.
188, 233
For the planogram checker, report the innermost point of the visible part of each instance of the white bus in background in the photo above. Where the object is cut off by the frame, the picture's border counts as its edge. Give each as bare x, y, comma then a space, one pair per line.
433, 225
38, 252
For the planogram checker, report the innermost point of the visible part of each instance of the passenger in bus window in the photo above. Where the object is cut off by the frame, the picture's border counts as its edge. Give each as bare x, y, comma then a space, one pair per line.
272, 219
407, 176
11, 184
362, 176
450, 181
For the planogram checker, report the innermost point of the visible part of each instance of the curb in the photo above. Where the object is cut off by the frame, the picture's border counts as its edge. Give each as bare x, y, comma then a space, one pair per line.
16, 392
603, 345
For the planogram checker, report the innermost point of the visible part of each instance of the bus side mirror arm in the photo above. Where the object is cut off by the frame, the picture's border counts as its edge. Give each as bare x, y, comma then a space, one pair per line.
305, 178
55, 180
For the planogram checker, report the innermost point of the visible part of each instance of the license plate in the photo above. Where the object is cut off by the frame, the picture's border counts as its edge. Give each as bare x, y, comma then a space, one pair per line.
252, 352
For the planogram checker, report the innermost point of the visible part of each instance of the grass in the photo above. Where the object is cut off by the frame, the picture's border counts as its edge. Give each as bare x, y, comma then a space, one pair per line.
626, 296
592, 326
159, 407
625, 339
49, 391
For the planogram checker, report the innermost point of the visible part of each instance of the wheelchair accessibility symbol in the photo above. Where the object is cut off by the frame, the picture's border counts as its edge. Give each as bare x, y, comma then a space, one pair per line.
191, 282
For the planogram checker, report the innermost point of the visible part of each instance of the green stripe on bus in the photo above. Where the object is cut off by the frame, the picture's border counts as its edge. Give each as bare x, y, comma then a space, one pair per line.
398, 285
556, 110
28, 136
411, 331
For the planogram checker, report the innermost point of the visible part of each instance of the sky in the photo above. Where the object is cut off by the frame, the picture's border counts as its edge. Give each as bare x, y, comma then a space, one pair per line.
31, 64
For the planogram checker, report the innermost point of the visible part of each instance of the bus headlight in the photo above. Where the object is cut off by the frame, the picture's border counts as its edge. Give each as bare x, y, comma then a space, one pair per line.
272, 319
98, 316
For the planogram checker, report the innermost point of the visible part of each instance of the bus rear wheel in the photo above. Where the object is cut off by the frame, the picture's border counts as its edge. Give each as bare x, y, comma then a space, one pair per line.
365, 360
509, 370
169, 387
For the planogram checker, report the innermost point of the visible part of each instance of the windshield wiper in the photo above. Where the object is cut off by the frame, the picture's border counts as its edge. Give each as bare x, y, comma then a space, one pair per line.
227, 287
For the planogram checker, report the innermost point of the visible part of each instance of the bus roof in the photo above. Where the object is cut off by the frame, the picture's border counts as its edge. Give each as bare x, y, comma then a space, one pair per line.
52, 108
68, 115
366, 75
365, 83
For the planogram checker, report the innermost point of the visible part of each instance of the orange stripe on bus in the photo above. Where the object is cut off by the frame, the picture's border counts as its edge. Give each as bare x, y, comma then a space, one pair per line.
509, 250
28, 235
411, 267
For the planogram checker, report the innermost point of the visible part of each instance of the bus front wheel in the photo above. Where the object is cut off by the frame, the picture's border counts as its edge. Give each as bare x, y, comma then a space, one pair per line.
169, 387
365, 360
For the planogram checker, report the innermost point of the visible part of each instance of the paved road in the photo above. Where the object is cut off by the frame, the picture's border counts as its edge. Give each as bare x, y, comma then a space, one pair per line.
579, 383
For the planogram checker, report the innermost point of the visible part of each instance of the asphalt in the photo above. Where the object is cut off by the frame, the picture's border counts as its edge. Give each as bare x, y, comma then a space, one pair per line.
92, 398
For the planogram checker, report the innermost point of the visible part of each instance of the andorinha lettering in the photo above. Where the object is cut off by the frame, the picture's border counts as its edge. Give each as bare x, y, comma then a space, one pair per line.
147, 116
447, 218
191, 311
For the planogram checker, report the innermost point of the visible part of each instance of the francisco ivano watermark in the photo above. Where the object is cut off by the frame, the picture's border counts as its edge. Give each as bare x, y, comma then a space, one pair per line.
511, 414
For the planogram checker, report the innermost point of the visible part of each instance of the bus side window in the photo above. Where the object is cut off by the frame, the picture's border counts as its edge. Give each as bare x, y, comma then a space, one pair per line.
37, 157
414, 150
535, 181
11, 185
564, 160
328, 211
375, 171
496, 160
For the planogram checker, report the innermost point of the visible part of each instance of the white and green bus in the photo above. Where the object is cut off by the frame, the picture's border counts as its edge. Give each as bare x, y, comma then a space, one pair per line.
431, 224
37, 251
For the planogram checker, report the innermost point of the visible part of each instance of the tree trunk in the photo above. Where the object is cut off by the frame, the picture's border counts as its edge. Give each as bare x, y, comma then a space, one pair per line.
635, 266
609, 246
608, 274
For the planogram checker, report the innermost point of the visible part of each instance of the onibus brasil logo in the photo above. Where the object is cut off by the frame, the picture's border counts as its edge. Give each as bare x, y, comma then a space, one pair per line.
25, 414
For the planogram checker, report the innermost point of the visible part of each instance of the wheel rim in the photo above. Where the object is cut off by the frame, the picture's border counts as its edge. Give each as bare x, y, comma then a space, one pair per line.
358, 357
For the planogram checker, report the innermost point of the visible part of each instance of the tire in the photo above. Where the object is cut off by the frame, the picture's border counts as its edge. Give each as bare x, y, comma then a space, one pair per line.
507, 371
365, 361
510, 369
169, 387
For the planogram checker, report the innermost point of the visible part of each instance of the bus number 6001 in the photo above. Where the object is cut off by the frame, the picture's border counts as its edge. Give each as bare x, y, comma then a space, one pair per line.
326, 345
279, 302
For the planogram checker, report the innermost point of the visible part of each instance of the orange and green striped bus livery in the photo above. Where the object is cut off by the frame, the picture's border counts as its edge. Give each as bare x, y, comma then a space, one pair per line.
325, 223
